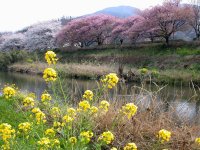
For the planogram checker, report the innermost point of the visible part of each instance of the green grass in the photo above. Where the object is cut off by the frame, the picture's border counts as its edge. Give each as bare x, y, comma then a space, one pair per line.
10, 114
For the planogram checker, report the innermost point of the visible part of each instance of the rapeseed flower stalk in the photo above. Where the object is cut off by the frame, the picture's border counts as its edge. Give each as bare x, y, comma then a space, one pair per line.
8, 92
57, 125
143, 71
50, 57
94, 110
88, 95
130, 146
6, 134
49, 74
71, 112
104, 105
24, 128
129, 110
55, 112
45, 98
44, 143
50, 133
84, 105
110, 80
28, 102
86, 136
73, 140
40, 117
197, 141
106, 137
67, 119
164, 135
36, 110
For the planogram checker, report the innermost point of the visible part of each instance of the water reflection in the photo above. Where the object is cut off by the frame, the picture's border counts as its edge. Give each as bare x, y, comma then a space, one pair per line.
180, 100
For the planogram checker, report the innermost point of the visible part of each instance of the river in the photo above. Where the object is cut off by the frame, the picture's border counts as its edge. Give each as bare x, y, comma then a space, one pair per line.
184, 101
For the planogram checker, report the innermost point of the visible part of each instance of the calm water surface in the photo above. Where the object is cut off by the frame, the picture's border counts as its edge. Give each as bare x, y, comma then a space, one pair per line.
184, 101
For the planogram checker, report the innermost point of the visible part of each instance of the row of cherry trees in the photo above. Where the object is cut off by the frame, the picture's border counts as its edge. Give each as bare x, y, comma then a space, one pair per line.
156, 23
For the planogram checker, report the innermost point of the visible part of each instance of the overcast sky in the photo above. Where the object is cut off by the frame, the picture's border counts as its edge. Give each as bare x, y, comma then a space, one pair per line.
16, 14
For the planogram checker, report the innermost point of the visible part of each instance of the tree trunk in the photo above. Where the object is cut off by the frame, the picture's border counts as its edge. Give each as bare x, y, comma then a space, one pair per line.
167, 40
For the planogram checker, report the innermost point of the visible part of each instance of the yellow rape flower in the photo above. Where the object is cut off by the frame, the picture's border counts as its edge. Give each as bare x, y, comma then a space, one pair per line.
129, 110
49, 74
88, 95
57, 125
8, 92
110, 80
44, 143
130, 146
104, 105
197, 141
40, 117
73, 140
106, 137
50, 57
113, 148
164, 135
50, 132
84, 105
67, 119
28, 102
6, 132
94, 109
36, 110
45, 98
86, 136
71, 112
24, 128
55, 112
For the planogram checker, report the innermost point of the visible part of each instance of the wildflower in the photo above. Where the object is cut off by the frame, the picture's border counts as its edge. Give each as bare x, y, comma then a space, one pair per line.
45, 98
130, 146
44, 143
113, 148
110, 80
164, 135
197, 140
50, 132
50, 57
40, 117
84, 105
71, 112
49, 74
8, 92
129, 110
104, 105
5, 146
73, 140
28, 102
94, 110
106, 137
55, 112
88, 95
6, 132
86, 136
24, 128
143, 71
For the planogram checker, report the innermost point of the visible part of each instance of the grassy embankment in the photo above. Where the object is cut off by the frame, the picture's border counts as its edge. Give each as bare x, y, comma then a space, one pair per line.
174, 64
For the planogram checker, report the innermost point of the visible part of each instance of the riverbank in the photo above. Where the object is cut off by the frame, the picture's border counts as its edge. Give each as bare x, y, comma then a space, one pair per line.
177, 64
91, 71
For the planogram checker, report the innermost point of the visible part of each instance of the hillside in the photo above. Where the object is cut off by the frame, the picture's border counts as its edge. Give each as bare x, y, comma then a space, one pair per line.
120, 11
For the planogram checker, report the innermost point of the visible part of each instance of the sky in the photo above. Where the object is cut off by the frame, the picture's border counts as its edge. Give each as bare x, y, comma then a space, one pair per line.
17, 14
